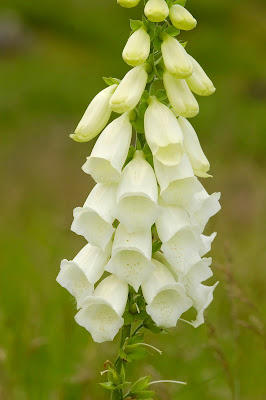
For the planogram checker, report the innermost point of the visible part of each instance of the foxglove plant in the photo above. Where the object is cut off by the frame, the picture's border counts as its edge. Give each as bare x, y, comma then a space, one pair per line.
144, 264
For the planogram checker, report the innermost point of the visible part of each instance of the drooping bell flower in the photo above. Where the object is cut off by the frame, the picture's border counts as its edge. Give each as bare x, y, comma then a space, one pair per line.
175, 58
181, 18
199, 82
156, 10
137, 49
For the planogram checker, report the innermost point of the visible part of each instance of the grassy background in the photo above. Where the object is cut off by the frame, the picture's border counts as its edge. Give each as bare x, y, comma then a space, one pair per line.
52, 56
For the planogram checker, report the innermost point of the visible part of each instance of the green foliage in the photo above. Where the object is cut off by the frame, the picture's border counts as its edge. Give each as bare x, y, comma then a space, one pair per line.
111, 81
135, 24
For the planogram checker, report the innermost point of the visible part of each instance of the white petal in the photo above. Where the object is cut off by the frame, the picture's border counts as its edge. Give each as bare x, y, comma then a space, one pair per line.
131, 256
130, 90
180, 96
192, 147
166, 299
199, 82
175, 58
156, 10
101, 314
181, 18
202, 207
206, 243
94, 220
202, 297
110, 151
199, 273
163, 133
137, 49
137, 195
96, 116
80, 275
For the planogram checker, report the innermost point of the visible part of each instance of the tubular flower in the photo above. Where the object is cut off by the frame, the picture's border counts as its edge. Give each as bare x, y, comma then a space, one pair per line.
128, 3
94, 220
181, 18
137, 195
199, 82
156, 10
207, 242
101, 313
131, 256
79, 275
175, 58
192, 147
137, 49
163, 133
180, 96
130, 90
110, 151
166, 299
96, 116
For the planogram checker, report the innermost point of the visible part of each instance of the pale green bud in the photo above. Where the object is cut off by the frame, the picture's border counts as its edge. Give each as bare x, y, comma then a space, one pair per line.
181, 18
128, 3
199, 82
156, 10
137, 49
175, 57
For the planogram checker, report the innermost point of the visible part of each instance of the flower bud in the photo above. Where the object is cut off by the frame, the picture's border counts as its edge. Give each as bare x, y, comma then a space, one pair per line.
163, 133
175, 57
156, 10
96, 116
137, 49
110, 151
128, 3
137, 195
180, 96
80, 275
130, 90
199, 82
101, 313
94, 220
131, 256
192, 147
181, 18
166, 299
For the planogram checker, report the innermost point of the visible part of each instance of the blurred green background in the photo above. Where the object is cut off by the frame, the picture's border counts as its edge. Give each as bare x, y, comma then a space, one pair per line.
52, 56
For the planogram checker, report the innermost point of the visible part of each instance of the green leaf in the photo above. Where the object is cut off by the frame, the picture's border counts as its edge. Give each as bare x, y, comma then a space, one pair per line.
140, 384
156, 246
172, 31
111, 81
161, 94
138, 124
128, 318
148, 154
157, 43
145, 96
135, 24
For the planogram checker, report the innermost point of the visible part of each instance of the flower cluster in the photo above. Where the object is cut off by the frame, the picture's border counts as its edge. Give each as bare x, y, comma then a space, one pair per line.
144, 219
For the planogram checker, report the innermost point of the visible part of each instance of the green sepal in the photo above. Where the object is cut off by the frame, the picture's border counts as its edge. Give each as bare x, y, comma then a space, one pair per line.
111, 81
180, 2
148, 154
111, 386
138, 338
157, 43
145, 96
151, 326
139, 354
161, 94
172, 31
183, 43
140, 384
156, 246
138, 144
130, 155
135, 24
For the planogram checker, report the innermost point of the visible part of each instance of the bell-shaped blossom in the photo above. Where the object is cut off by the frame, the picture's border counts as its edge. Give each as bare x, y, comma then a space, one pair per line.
199, 82
79, 275
110, 151
180, 96
137, 195
163, 133
96, 116
130, 90
177, 183
137, 49
166, 299
101, 313
131, 256
181, 18
192, 147
181, 240
175, 58
128, 3
94, 220
206, 243
156, 10
201, 295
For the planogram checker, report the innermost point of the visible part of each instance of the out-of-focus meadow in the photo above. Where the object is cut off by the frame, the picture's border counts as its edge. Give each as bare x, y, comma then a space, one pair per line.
52, 56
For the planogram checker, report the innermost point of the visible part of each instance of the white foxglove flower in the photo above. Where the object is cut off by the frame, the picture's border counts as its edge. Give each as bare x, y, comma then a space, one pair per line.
177, 183
163, 133
131, 256
166, 299
175, 58
137, 49
110, 151
94, 220
181, 18
96, 116
192, 147
79, 275
101, 313
137, 195
128, 3
181, 240
199, 82
201, 295
130, 90
180, 96
156, 10
206, 243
